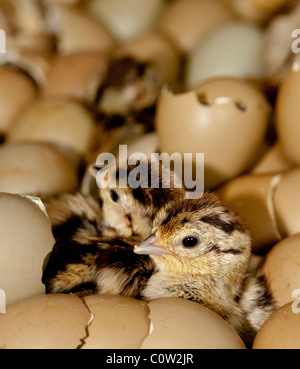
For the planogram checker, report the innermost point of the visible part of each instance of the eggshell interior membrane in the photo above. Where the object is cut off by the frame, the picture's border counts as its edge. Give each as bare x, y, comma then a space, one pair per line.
281, 330
26, 239
282, 271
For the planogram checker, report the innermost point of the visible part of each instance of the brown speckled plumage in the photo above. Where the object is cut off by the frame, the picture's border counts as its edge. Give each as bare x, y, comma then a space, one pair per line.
92, 256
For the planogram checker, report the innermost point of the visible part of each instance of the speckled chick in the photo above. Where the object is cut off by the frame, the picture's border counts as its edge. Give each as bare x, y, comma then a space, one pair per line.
202, 252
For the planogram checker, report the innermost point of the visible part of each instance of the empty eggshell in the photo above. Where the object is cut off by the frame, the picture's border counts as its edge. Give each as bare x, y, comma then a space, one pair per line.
287, 112
252, 197
186, 22
281, 330
26, 239
118, 322
75, 75
35, 168
274, 160
231, 50
78, 32
44, 322
17, 91
287, 203
183, 324
61, 121
126, 19
224, 118
282, 271
146, 144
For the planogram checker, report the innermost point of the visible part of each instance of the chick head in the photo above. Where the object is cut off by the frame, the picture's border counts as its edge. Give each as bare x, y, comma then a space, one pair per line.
198, 237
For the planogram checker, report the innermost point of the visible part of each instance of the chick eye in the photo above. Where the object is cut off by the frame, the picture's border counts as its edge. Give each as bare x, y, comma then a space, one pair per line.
190, 241
114, 196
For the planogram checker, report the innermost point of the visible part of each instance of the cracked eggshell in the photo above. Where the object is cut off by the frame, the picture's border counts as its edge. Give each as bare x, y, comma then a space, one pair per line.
183, 324
26, 239
186, 22
75, 76
118, 322
252, 197
224, 118
233, 50
17, 91
60, 121
126, 19
35, 168
281, 330
287, 113
287, 203
281, 269
44, 322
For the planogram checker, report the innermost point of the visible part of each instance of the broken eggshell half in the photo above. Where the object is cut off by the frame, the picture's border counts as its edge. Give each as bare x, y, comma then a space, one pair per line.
226, 119
60, 321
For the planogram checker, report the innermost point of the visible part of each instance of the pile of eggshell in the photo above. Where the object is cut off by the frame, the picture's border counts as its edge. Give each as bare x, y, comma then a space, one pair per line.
228, 86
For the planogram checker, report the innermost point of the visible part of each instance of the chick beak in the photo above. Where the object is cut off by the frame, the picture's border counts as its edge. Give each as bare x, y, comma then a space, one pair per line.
150, 247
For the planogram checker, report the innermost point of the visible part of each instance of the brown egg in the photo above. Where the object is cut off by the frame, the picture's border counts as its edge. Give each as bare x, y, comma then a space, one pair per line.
287, 203
35, 168
183, 324
17, 91
79, 32
226, 119
61, 121
281, 330
282, 271
287, 113
252, 197
26, 239
274, 160
75, 76
118, 322
44, 322
185, 22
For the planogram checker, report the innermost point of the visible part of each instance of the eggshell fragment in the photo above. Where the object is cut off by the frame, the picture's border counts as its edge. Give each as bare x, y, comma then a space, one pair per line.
231, 50
26, 239
78, 32
287, 113
287, 203
35, 168
44, 322
282, 269
224, 118
274, 160
252, 197
126, 19
118, 322
281, 330
17, 91
60, 121
183, 324
75, 76
186, 22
